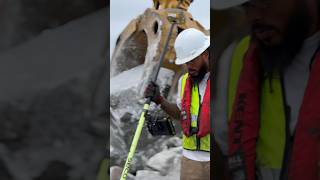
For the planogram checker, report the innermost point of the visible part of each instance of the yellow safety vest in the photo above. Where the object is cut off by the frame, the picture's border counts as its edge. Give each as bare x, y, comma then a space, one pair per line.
193, 142
271, 141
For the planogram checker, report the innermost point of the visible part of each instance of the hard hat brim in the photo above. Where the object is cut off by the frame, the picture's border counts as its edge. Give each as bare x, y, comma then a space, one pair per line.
194, 55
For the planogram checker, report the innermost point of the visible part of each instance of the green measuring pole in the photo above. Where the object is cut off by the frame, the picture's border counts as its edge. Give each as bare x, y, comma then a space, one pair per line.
146, 106
135, 141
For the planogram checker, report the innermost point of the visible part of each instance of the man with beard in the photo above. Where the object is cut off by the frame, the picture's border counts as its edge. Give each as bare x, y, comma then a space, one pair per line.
193, 103
272, 104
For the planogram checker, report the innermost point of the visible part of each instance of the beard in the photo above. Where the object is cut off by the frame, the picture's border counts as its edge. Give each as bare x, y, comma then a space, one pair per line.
277, 58
202, 72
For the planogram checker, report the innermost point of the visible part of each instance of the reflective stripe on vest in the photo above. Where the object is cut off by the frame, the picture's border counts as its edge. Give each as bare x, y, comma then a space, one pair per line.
271, 141
190, 143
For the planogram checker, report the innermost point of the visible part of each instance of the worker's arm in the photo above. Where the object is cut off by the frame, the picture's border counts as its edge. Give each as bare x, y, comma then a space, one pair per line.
171, 109
153, 91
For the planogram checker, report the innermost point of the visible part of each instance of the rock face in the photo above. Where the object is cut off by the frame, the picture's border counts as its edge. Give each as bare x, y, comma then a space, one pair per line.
21, 20
126, 105
51, 127
164, 165
163, 161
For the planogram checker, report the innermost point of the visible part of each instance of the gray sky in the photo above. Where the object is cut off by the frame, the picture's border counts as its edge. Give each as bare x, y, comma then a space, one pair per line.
123, 11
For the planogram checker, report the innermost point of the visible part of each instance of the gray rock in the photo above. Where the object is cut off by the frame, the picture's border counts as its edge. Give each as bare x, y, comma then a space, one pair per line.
4, 172
21, 20
115, 172
48, 108
56, 170
172, 164
147, 174
164, 161
154, 175
126, 104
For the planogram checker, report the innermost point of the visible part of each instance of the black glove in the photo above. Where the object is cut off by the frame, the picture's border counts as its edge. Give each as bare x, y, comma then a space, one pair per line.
153, 92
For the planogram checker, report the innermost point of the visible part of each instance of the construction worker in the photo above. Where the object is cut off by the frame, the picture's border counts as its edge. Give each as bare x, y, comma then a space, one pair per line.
193, 103
269, 85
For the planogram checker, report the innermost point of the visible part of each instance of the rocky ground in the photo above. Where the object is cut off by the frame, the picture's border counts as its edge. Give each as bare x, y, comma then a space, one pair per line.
156, 157
53, 103
21, 20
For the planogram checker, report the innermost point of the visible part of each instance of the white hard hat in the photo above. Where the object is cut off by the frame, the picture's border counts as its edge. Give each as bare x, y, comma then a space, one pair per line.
224, 4
189, 44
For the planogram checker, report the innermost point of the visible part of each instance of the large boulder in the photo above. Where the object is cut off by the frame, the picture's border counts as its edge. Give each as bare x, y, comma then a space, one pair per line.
164, 165
126, 104
52, 88
21, 20
164, 161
